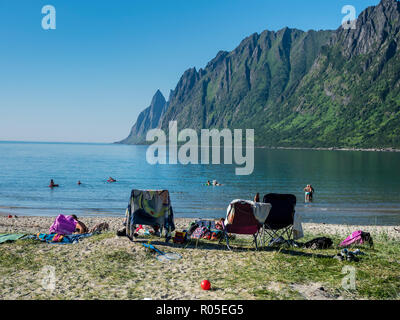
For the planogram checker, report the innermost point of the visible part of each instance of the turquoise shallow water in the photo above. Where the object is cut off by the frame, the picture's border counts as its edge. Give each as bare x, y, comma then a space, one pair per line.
351, 187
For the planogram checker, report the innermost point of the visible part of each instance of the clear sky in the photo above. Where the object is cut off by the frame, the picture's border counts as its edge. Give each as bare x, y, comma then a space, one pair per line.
88, 80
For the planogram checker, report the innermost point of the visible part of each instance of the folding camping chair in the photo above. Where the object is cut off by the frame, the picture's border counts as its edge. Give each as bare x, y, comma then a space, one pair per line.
279, 222
240, 219
152, 208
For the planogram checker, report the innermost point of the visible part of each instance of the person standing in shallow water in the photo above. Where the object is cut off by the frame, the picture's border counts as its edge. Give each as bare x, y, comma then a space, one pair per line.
309, 191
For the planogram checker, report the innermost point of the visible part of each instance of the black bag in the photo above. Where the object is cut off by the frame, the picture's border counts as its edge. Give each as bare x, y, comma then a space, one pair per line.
366, 236
319, 243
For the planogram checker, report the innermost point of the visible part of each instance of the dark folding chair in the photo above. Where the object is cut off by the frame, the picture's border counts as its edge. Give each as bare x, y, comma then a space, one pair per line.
281, 217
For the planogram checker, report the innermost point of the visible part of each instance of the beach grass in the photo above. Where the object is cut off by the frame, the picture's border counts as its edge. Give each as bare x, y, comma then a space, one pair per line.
108, 267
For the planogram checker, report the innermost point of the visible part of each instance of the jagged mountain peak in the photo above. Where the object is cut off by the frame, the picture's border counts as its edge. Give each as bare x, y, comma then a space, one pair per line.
158, 100
373, 26
148, 119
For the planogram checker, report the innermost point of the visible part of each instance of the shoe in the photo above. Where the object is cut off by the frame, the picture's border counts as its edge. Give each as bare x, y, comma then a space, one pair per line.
339, 257
121, 233
351, 257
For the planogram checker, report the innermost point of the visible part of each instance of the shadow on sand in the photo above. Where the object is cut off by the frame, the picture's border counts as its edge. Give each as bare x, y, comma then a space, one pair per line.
210, 246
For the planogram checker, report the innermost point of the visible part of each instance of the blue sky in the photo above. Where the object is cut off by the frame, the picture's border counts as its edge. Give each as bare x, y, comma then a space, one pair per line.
88, 80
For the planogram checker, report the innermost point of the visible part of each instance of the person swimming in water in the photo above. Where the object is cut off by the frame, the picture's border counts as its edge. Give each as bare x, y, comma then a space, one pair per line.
309, 191
52, 184
111, 179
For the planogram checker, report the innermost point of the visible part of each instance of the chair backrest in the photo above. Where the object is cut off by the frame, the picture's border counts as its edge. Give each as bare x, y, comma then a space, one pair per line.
241, 219
282, 211
149, 207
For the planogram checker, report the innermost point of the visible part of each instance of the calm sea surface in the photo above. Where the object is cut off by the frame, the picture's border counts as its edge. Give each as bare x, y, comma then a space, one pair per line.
351, 187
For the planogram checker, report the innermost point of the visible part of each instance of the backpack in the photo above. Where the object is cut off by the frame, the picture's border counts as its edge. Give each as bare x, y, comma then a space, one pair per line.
180, 237
319, 243
357, 237
63, 225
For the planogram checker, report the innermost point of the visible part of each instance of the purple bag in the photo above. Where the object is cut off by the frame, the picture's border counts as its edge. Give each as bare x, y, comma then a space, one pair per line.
354, 238
63, 225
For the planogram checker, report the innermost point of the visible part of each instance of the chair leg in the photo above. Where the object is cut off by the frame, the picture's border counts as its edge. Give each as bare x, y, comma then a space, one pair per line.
255, 241
227, 241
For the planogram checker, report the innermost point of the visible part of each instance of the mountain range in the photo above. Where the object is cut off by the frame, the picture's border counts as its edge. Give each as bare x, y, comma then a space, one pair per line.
333, 88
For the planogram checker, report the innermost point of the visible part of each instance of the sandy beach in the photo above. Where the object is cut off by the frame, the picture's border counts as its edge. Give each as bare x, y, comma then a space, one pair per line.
109, 267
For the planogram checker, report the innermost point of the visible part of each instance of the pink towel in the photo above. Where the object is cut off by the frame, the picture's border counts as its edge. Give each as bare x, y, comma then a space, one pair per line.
354, 238
63, 225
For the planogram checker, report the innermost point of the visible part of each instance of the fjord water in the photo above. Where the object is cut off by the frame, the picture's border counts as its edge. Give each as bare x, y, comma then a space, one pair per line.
351, 187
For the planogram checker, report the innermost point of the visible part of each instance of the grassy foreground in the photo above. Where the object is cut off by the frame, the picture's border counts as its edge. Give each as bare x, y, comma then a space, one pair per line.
108, 267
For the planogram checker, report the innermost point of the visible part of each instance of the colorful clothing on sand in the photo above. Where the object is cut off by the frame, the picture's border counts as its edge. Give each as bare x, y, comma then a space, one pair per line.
60, 238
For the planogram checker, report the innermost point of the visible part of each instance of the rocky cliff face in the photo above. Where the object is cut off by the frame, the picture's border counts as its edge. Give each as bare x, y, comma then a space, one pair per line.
235, 86
311, 89
373, 27
147, 120
351, 96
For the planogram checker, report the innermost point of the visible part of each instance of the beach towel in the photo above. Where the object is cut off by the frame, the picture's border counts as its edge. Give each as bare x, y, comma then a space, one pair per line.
63, 225
10, 237
260, 210
60, 238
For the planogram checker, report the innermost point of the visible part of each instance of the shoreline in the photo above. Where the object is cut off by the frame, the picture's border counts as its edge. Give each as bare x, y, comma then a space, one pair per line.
376, 149
372, 149
333, 149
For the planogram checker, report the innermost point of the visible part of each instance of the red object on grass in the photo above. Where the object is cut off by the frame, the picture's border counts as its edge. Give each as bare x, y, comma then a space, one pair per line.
206, 285
139, 228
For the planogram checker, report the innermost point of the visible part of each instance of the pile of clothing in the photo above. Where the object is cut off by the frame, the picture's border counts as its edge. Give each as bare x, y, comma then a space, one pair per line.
207, 230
